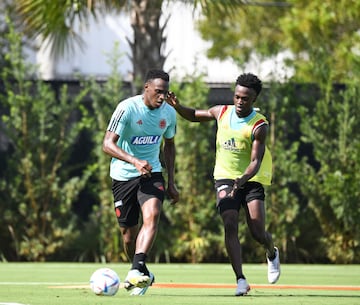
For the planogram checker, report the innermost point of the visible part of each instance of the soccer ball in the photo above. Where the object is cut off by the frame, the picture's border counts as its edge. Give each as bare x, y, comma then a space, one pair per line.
104, 281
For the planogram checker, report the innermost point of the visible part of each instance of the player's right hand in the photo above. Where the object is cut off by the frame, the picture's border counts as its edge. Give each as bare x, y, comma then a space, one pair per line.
143, 167
171, 99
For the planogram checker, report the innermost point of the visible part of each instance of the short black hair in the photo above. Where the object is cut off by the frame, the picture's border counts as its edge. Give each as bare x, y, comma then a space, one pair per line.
156, 73
250, 80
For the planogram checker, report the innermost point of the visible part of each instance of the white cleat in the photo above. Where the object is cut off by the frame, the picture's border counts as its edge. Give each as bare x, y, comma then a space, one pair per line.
242, 287
136, 279
142, 291
274, 267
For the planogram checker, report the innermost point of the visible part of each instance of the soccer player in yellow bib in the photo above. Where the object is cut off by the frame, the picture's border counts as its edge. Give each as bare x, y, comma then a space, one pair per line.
243, 165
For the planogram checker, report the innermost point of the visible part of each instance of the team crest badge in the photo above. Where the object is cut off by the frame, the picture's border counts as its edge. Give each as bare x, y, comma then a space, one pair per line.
162, 124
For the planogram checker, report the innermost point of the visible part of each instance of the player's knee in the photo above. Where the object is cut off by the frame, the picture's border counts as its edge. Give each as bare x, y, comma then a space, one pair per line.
230, 227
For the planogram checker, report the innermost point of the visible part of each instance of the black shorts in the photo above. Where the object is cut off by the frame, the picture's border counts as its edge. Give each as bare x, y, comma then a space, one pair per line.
130, 195
250, 191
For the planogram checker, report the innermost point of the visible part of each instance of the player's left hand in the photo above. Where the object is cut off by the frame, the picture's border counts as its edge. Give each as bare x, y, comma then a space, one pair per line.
238, 184
173, 193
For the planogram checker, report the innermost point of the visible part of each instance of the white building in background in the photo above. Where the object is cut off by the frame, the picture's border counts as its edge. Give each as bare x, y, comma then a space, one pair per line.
187, 51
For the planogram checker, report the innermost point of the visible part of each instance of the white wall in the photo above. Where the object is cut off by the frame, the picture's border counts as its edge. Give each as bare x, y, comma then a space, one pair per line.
184, 45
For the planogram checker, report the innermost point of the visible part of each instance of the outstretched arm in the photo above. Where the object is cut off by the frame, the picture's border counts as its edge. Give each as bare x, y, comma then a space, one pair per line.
191, 114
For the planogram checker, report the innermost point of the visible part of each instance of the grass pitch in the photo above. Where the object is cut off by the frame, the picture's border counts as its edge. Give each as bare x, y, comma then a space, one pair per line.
182, 284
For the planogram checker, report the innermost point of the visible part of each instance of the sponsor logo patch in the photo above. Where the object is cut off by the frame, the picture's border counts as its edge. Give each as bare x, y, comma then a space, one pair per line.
222, 187
118, 203
232, 145
145, 140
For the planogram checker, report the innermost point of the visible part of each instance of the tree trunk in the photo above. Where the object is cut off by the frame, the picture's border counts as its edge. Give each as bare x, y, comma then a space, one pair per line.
148, 39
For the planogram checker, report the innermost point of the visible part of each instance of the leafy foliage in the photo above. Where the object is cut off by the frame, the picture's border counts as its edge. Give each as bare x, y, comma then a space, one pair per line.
332, 189
40, 187
316, 166
322, 37
54, 21
284, 202
236, 36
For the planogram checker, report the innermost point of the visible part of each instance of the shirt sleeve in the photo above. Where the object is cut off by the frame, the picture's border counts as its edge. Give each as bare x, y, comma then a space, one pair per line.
118, 119
171, 129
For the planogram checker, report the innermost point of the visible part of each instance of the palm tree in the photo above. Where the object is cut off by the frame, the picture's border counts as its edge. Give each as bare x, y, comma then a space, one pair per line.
54, 22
